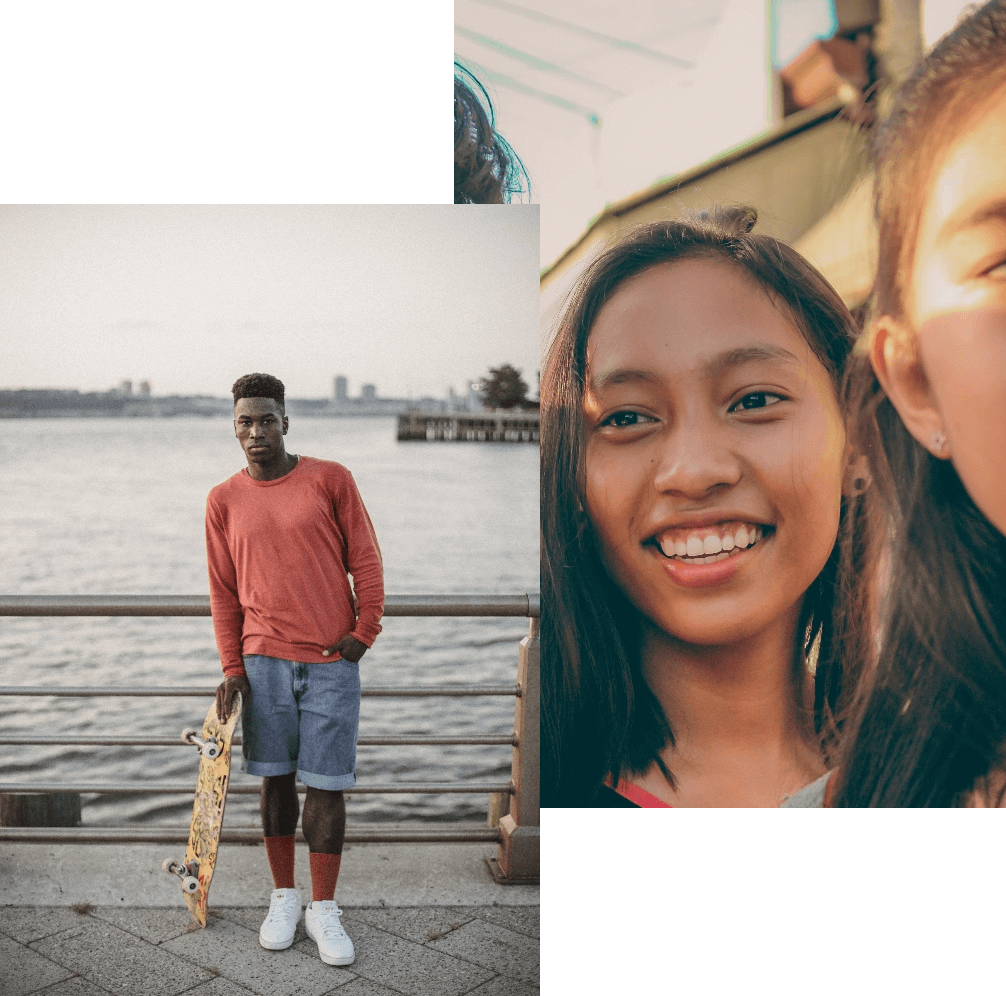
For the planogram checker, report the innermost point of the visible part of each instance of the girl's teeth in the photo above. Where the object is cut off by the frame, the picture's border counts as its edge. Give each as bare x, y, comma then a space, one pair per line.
712, 547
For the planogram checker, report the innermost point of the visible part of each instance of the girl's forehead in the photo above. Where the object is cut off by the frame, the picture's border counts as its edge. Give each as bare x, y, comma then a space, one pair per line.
972, 173
680, 315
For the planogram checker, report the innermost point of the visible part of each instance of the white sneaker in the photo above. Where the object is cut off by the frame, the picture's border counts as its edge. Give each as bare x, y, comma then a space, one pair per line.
321, 920
281, 922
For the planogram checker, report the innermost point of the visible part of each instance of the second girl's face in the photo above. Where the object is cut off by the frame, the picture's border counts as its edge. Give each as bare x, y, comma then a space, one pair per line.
957, 302
714, 451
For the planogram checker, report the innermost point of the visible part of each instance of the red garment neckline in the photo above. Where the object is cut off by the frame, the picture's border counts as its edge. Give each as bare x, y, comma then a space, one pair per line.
642, 798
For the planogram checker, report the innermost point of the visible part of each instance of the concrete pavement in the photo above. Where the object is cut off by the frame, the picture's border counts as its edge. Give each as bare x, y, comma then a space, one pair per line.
426, 920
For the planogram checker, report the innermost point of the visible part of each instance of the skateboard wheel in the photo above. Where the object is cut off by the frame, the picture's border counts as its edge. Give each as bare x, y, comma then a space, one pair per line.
190, 884
188, 733
168, 865
210, 750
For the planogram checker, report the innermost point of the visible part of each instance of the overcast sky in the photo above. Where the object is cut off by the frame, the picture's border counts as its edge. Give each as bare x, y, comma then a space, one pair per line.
412, 298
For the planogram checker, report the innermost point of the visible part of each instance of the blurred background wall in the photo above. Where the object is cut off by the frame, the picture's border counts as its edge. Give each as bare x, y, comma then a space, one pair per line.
631, 111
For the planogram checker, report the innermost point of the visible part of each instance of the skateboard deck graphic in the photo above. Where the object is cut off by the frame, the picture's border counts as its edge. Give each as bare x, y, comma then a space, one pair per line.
214, 745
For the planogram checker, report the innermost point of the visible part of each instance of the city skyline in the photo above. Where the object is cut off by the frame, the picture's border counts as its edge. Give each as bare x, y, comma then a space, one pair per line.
190, 298
141, 388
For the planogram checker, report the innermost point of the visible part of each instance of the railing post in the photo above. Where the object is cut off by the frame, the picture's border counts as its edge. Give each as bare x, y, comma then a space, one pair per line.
518, 858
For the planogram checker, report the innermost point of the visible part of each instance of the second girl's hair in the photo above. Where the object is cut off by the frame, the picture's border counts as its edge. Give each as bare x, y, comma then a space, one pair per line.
599, 716
946, 92
486, 168
932, 721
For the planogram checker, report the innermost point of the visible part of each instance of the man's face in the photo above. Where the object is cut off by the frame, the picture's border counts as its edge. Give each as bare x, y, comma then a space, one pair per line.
260, 425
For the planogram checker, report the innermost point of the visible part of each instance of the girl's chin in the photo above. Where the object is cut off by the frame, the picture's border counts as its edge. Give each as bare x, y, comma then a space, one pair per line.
710, 632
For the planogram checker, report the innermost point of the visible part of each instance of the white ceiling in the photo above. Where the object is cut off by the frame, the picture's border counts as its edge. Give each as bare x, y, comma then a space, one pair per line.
578, 56
601, 99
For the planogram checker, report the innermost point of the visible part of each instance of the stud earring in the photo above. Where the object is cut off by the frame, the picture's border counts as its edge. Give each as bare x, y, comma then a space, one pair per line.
857, 486
938, 442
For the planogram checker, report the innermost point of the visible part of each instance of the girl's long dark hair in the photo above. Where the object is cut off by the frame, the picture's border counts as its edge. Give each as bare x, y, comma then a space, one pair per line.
599, 716
931, 724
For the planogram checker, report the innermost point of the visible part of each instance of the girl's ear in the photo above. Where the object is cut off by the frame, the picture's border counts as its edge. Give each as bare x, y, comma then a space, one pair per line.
896, 363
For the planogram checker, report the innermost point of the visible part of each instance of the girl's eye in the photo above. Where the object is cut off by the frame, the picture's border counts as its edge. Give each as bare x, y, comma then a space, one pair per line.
756, 399
623, 419
998, 272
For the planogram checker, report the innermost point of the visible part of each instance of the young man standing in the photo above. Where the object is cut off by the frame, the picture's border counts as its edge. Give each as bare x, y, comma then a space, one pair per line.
281, 537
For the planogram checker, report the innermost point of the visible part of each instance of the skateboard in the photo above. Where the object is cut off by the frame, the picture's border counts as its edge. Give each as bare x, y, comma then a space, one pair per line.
214, 745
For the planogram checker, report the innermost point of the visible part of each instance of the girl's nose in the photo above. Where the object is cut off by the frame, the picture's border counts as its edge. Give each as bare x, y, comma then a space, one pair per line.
695, 462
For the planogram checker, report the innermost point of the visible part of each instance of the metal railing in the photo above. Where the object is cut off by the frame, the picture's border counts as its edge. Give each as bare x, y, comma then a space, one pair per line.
514, 807
521, 606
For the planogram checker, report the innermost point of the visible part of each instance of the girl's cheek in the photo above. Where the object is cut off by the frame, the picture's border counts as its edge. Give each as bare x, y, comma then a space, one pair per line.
964, 355
808, 459
604, 506
828, 426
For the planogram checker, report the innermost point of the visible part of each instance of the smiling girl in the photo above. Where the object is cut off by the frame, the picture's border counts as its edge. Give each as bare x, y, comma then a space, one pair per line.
931, 387
693, 471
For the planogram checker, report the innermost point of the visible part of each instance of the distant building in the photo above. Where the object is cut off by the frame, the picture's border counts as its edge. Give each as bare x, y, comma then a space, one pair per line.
341, 389
368, 393
126, 388
145, 388
474, 397
54, 403
470, 400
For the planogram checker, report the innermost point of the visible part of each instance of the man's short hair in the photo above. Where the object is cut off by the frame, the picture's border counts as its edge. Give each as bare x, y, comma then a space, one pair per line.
259, 386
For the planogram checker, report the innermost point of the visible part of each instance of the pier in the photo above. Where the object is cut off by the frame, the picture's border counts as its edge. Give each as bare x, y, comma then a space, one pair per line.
461, 427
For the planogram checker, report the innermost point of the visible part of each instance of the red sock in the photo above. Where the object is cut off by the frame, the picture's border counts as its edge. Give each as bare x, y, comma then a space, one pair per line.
280, 852
324, 875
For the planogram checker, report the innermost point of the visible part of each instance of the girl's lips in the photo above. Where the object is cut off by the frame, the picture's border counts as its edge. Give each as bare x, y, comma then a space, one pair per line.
707, 575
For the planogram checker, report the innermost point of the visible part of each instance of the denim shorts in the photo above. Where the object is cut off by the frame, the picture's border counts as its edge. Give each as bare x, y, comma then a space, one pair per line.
303, 718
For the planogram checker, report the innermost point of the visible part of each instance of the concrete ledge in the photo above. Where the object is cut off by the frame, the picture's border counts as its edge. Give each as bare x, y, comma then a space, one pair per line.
372, 875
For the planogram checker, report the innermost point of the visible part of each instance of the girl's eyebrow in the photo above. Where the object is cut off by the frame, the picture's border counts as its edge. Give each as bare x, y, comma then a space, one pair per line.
995, 211
711, 368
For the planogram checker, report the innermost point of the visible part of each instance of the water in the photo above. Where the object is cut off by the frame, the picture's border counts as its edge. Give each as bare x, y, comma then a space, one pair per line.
115, 506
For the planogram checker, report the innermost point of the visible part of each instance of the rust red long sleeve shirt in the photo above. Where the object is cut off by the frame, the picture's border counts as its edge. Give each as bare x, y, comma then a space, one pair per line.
279, 553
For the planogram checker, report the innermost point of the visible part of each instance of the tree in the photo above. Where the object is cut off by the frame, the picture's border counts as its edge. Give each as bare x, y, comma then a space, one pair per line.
503, 387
